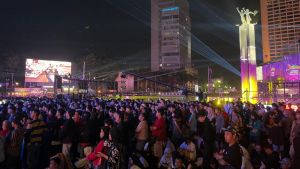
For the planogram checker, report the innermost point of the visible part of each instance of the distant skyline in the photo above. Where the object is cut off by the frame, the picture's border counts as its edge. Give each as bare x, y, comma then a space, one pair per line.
115, 31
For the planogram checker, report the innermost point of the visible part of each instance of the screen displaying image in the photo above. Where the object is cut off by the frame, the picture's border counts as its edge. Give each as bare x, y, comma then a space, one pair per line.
43, 71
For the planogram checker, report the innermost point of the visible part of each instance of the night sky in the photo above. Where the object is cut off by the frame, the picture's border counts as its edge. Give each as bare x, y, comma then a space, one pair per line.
115, 33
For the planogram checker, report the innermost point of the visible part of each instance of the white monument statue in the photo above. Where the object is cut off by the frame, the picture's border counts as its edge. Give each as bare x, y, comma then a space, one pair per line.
248, 56
245, 15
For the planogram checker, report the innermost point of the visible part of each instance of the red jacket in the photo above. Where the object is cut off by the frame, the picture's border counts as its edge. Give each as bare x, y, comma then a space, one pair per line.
160, 131
92, 157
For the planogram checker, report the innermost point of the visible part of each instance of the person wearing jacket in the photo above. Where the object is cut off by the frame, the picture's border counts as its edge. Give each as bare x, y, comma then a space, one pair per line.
207, 132
69, 135
13, 146
99, 162
159, 133
113, 155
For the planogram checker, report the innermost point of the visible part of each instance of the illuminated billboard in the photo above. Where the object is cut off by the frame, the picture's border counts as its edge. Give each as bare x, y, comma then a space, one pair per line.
43, 71
288, 69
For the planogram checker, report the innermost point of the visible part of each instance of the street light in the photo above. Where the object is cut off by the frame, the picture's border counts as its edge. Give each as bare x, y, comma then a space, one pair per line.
17, 83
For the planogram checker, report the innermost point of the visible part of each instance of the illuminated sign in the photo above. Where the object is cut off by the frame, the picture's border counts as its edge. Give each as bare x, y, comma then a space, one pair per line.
289, 67
170, 9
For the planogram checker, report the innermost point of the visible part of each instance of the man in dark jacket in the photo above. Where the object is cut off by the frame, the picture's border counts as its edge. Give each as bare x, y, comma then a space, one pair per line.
70, 136
207, 132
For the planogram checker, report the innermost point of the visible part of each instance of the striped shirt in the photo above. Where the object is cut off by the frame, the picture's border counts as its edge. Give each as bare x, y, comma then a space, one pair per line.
37, 132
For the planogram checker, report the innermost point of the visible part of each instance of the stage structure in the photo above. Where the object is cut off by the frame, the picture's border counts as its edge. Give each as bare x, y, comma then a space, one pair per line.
248, 56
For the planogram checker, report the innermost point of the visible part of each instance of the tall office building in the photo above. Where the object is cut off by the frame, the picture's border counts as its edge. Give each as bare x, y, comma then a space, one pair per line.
170, 35
280, 28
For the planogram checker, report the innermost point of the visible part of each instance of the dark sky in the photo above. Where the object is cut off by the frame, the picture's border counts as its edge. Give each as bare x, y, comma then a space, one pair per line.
113, 30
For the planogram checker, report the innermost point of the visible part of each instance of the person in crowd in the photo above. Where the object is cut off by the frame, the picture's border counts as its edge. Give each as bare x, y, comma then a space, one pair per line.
99, 162
276, 112
231, 156
113, 156
6, 127
276, 134
176, 129
286, 123
207, 133
69, 136
294, 130
55, 140
192, 120
2, 152
3, 114
219, 124
178, 163
12, 113
295, 141
166, 160
256, 155
210, 112
285, 163
271, 158
37, 130
255, 126
181, 133
13, 145
54, 163
261, 110
142, 133
188, 150
59, 161
121, 139
236, 119
159, 133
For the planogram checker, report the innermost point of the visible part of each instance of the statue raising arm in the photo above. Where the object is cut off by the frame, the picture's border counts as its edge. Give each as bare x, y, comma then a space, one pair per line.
242, 14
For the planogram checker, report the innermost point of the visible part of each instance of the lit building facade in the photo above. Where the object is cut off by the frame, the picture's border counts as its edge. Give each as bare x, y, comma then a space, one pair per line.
170, 35
280, 28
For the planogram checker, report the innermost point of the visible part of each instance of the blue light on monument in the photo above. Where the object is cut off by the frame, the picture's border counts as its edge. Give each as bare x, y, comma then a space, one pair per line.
170, 9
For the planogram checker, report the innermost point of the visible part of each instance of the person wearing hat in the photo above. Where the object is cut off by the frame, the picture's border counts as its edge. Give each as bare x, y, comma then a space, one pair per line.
231, 156
206, 131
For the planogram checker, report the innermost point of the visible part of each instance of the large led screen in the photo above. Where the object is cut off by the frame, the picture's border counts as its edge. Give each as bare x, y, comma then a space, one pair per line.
43, 71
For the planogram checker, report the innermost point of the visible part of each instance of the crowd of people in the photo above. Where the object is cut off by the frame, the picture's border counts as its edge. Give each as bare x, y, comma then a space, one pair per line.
65, 133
